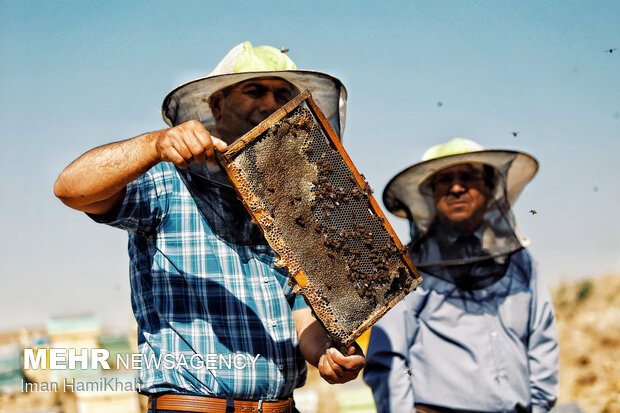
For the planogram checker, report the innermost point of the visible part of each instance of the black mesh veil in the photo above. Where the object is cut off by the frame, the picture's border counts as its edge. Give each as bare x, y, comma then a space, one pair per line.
469, 260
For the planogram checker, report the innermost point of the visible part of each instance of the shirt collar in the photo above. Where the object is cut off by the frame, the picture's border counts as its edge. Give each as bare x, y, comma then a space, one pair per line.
452, 235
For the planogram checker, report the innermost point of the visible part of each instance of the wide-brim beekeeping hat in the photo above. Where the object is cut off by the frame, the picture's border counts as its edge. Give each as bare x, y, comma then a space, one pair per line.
191, 100
407, 194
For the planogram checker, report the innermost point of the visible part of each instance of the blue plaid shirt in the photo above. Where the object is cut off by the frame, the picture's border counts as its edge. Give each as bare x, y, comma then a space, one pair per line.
217, 314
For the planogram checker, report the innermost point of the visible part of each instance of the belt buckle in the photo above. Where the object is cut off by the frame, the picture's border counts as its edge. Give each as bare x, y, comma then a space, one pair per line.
259, 409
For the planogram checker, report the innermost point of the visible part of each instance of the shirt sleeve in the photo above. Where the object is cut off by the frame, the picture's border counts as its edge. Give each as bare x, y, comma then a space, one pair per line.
299, 303
143, 205
543, 350
387, 369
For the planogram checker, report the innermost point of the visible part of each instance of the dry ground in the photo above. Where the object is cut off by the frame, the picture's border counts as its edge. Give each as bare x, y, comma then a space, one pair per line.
589, 328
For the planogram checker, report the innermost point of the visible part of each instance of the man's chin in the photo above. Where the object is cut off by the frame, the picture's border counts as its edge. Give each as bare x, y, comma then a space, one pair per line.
459, 220
460, 214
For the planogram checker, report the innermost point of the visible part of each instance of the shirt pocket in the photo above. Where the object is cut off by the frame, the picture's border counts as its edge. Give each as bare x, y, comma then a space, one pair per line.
515, 314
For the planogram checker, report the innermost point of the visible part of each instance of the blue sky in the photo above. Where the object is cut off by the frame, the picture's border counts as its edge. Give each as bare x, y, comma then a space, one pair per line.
78, 74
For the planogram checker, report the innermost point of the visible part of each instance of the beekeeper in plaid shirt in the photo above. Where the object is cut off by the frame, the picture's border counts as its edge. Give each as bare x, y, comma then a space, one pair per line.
205, 289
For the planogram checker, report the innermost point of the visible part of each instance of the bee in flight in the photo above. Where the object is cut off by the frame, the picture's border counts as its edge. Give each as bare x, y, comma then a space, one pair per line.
610, 50
533, 212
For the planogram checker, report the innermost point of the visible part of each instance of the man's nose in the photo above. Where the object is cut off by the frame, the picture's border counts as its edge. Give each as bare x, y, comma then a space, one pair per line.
457, 187
267, 103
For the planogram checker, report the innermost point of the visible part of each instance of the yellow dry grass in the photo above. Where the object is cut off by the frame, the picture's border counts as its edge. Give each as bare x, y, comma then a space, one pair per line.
588, 314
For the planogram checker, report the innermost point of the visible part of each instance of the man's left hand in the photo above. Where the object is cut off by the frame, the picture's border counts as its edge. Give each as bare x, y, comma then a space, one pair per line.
334, 367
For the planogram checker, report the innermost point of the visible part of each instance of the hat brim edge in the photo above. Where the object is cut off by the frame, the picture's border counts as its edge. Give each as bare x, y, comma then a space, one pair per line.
218, 82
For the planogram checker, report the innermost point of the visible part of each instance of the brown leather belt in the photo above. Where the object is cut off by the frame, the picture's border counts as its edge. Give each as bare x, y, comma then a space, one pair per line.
427, 408
201, 404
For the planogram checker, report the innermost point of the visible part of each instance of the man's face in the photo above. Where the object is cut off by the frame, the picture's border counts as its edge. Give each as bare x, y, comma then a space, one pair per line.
244, 105
461, 197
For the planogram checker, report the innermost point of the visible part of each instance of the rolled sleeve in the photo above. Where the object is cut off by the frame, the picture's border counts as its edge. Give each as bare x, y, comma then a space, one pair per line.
143, 205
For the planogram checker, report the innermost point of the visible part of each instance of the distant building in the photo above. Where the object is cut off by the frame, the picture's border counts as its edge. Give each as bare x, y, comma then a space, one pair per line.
79, 390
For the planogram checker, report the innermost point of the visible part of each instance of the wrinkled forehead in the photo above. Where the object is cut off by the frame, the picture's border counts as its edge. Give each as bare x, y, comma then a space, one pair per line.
265, 81
462, 167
